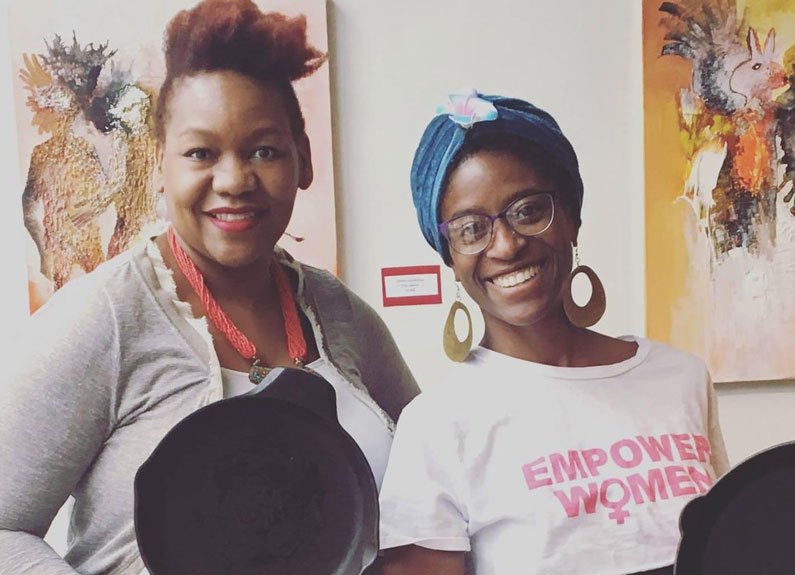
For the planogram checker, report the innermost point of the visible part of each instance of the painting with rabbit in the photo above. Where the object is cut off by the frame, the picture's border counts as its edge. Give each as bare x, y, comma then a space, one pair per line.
719, 106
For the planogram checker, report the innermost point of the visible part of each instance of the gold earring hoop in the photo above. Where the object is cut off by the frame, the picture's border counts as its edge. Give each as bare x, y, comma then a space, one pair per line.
591, 312
456, 349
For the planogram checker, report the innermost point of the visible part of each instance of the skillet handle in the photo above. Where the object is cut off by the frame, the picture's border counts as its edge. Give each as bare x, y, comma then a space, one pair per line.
300, 387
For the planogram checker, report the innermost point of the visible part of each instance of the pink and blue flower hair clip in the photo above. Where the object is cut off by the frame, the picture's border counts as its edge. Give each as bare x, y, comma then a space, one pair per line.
466, 108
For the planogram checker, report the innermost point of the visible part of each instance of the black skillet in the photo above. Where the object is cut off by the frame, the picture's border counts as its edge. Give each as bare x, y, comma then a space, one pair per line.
267, 483
745, 524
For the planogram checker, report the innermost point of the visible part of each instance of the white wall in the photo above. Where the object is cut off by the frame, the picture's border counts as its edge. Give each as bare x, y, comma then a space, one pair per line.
391, 64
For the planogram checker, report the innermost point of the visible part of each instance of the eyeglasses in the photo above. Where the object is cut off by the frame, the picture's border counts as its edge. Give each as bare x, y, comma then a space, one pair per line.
530, 215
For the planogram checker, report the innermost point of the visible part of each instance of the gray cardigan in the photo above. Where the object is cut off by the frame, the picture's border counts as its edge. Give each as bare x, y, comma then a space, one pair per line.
108, 367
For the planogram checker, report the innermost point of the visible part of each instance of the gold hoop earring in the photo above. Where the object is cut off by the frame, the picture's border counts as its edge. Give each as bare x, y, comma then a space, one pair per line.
591, 312
456, 349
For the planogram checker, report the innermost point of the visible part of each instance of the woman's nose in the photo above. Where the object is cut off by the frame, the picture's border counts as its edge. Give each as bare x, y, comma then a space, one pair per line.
505, 242
233, 175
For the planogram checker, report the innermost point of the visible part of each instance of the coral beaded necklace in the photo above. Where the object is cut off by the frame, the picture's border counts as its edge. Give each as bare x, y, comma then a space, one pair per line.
296, 344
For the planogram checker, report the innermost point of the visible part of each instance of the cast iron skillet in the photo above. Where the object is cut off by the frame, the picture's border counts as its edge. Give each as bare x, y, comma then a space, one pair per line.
267, 484
745, 524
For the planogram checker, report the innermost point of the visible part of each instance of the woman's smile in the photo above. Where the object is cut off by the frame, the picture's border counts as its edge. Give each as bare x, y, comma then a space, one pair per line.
521, 285
517, 277
236, 220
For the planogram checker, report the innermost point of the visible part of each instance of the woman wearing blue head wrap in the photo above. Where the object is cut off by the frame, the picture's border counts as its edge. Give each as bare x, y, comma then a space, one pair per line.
551, 448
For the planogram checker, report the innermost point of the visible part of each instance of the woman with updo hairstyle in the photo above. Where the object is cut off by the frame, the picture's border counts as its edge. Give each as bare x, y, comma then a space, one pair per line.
550, 448
116, 358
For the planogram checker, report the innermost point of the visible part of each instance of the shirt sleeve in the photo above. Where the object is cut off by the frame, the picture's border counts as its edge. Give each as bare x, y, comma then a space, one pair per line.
421, 499
55, 414
384, 370
719, 457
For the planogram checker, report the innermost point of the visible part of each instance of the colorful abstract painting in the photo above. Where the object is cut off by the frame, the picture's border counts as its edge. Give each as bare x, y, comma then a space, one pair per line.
88, 72
719, 103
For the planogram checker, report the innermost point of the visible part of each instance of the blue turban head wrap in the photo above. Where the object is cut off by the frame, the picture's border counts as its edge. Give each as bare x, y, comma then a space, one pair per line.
471, 115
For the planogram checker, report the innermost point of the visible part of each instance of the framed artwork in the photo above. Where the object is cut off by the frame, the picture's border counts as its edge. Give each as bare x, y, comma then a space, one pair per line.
719, 109
88, 74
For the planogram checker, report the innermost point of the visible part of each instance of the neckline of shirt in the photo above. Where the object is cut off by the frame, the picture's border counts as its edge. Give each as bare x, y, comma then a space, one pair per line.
236, 373
481, 354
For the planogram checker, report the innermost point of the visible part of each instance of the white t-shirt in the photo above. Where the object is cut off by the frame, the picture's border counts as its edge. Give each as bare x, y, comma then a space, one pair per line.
355, 416
546, 470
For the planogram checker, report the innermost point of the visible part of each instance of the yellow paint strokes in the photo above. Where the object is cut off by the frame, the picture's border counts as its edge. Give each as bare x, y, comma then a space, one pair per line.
766, 7
665, 167
64, 176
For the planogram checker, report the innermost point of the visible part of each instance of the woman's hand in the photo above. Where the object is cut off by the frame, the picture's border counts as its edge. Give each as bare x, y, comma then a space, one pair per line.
416, 560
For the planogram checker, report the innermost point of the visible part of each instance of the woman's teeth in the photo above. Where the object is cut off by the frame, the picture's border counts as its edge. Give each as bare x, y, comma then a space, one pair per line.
517, 277
233, 217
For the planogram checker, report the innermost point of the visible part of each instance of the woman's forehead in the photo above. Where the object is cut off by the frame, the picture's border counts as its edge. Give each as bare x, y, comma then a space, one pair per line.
223, 99
489, 180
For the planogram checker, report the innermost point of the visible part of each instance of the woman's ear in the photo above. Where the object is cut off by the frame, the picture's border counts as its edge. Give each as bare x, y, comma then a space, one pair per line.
574, 229
575, 233
158, 171
452, 267
305, 172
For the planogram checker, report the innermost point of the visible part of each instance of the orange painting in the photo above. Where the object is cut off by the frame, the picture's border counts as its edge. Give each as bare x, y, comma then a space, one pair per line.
719, 108
87, 77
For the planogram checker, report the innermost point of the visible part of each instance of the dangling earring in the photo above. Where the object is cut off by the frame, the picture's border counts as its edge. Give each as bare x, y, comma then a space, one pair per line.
456, 349
296, 239
590, 313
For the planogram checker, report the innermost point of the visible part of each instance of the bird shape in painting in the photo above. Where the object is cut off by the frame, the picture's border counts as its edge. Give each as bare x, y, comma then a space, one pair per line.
730, 121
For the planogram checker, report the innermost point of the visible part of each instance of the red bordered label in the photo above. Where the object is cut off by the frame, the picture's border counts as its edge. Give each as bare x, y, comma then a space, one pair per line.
411, 285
